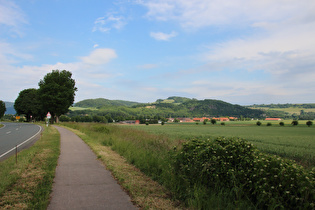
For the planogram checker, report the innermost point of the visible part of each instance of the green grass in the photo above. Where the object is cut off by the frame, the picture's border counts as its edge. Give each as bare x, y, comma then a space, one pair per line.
294, 142
150, 149
290, 110
27, 184
81, 108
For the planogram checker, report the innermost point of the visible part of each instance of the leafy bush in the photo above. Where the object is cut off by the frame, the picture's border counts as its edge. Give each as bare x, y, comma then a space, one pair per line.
295, 122
281, 123
222, 123
258, 123
309, 123
269, 124
268, 181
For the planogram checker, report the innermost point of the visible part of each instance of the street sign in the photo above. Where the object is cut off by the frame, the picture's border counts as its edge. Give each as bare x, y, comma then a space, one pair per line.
48, 115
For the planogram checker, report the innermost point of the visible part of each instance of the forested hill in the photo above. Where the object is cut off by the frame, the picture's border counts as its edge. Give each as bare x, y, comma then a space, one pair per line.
9, 108
170, 107
101, 102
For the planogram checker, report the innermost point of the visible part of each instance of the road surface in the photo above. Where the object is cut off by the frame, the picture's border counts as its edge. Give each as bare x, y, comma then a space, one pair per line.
17, 134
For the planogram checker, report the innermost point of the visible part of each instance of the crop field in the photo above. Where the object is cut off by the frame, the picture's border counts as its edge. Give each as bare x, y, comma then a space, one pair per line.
290, 110
293, 142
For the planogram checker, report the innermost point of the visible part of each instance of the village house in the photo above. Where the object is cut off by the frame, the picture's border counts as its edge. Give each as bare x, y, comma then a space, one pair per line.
275, 119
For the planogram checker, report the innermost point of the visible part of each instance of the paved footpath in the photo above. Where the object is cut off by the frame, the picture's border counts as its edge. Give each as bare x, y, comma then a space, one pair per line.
81, 181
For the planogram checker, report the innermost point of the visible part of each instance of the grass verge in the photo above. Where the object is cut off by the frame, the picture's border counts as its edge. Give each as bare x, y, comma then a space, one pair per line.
27, 184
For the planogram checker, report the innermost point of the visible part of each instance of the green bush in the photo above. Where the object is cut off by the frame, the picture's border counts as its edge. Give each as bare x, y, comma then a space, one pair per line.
281, 123
222, 123
295, 122
258, 123
269, 124
268, 181
309, 123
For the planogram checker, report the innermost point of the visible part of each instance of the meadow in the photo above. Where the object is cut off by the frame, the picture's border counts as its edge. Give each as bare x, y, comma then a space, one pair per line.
294, 142
231, 172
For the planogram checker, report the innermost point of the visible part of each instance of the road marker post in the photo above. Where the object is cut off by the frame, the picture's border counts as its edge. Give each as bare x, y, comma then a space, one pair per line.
16, 150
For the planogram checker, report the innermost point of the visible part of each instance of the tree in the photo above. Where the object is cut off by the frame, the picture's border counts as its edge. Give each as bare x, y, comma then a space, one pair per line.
213, 121
28, 103
308, 123
294, 122
57, 91
258, 123
2, 109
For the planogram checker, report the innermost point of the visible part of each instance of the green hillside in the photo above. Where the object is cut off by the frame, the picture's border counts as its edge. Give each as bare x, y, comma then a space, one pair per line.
163, 108
101, 102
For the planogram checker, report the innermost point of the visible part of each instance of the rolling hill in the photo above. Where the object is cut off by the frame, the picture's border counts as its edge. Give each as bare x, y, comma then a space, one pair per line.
172, 106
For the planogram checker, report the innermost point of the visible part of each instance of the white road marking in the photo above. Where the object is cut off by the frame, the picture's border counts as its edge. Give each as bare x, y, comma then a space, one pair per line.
8, 132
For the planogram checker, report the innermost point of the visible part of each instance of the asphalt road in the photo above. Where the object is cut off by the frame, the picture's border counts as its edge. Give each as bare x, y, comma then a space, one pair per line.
17, 134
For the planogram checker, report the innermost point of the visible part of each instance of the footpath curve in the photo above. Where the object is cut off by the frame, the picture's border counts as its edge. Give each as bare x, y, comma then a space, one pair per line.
81, 181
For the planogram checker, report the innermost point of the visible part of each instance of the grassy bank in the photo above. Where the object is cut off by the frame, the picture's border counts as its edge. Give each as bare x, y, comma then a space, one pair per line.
154, 155
27, 184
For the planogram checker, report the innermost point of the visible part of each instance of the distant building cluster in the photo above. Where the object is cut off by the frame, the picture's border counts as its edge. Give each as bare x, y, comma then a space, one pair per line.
196, 119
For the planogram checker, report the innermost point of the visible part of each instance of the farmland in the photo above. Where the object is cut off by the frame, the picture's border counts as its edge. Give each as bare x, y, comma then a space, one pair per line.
231, 172
294, 142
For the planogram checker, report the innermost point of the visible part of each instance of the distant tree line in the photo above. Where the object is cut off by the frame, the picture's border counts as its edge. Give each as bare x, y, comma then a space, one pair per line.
303, 106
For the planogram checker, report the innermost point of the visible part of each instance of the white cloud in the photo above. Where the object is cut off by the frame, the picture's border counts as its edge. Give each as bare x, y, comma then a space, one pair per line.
163, 36
201, 13
106, 23
11, 15
99, 56
89, 70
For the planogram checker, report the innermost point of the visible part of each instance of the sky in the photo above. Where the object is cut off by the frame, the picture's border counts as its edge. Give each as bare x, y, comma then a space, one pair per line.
239, 51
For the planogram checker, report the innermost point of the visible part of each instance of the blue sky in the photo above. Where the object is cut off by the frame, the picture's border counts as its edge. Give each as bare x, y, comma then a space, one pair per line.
240, 51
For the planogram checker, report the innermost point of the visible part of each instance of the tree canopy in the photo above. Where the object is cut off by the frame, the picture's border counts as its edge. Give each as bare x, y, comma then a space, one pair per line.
56, 92
2, 108
28, 103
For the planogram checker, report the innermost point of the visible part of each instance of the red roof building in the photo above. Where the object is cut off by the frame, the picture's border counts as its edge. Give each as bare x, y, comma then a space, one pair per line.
273, 119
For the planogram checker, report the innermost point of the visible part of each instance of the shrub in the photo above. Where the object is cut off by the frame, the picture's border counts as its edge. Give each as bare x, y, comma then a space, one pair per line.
258, 123
268, 181
269, 124
295, 122
147, 123
281, 123
213, 121
64, 118
309, 123
222, 123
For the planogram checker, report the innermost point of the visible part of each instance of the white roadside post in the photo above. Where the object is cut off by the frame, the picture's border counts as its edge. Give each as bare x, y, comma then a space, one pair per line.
48, 117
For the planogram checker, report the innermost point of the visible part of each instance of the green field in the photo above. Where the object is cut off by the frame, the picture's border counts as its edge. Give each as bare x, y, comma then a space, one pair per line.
290, 110
294, 142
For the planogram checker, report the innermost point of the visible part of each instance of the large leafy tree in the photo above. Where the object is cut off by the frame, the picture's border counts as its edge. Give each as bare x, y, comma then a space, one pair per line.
2, 109
57, 91
28, 103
